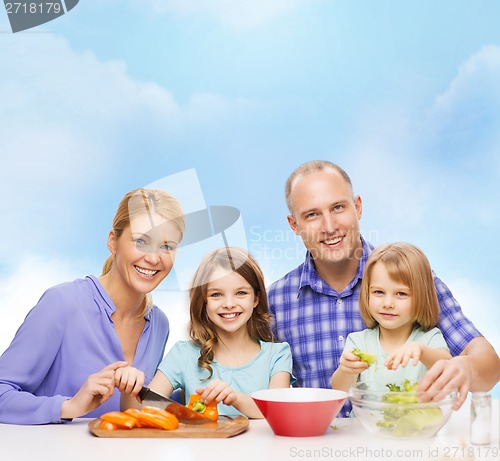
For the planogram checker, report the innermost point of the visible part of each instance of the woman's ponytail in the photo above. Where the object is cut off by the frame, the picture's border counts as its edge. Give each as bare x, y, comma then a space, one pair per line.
108, 264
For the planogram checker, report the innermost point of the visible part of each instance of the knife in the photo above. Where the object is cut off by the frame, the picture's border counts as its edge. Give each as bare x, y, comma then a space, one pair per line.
184, 414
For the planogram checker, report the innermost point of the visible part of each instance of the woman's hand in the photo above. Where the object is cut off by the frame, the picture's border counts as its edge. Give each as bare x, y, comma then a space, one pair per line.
96, 390
129, 380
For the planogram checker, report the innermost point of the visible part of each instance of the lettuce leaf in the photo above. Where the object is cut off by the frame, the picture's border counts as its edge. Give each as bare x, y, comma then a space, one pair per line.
402, 421
365, 357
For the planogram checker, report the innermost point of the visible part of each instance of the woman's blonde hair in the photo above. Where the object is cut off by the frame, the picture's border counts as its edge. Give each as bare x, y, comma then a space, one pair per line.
201, 329
408, 265
136, 203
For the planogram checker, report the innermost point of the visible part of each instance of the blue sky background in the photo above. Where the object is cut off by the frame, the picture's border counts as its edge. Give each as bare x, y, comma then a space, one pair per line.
115, 95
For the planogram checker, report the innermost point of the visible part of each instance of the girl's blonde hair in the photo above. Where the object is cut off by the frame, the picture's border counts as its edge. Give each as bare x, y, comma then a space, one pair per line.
201, 329
136, 203
408, 265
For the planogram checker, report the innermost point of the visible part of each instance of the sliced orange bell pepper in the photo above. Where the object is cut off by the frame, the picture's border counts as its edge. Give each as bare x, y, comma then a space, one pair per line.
206, 409
156, 417
120, 418
107, 426
134, 412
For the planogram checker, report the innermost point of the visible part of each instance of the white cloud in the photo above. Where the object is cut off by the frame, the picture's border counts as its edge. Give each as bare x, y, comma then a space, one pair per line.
68, 120
58, 88
475, 87
48, 84
63, 111
428, 169
239, 14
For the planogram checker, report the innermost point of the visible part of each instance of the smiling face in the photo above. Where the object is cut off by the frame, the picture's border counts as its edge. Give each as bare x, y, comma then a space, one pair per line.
144, 252
230, 301
389, 302
326, 217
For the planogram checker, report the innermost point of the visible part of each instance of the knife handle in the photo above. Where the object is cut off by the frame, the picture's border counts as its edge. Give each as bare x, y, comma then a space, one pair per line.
143, 392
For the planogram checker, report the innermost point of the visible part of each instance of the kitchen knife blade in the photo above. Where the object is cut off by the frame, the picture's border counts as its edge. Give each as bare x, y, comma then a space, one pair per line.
184, 414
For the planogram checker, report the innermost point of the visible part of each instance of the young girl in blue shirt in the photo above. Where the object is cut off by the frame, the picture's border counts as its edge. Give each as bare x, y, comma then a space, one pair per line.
231, 352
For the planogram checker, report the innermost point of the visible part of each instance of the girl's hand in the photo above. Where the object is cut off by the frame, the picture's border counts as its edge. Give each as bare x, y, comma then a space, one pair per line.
129, 380
350, 363
96, 390
403, 355
219, 391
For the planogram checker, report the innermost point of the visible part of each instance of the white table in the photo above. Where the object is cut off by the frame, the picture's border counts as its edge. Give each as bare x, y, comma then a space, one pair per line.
349, 442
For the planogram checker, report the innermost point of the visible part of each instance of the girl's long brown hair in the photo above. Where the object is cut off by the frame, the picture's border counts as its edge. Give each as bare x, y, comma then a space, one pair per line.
202, 330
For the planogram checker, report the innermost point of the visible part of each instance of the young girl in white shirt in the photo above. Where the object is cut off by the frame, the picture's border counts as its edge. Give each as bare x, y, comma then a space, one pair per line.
398, 304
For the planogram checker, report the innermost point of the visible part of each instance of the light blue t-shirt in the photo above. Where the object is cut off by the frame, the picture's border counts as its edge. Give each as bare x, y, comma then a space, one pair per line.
180, 366
368, 341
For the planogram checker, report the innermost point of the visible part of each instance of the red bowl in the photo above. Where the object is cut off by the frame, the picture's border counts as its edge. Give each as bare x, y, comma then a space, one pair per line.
299, 411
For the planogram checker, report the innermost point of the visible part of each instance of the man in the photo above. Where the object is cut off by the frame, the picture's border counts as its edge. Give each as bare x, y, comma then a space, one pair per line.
315, 306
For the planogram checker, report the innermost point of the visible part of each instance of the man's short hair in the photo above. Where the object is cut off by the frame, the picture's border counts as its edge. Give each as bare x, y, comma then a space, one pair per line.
311, 167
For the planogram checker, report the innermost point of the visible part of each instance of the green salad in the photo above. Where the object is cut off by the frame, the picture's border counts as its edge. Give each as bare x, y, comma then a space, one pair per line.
402, 421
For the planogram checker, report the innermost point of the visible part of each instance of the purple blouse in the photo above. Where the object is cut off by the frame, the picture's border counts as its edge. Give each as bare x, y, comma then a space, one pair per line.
66, 337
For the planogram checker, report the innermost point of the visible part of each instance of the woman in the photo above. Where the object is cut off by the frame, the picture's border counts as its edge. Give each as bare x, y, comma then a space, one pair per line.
72, 346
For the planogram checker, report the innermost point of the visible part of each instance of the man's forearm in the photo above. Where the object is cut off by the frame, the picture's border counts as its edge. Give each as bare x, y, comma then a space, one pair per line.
483, 363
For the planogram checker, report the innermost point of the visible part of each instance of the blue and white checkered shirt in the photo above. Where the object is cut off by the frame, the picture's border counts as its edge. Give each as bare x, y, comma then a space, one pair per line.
315, 320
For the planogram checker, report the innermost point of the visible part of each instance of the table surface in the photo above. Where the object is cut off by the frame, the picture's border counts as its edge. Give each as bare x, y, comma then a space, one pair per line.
349, 440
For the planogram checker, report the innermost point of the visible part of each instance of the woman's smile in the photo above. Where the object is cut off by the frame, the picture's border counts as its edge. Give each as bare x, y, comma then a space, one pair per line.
149, 273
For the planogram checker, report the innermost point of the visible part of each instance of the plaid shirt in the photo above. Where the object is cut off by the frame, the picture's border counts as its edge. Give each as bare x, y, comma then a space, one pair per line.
315, 320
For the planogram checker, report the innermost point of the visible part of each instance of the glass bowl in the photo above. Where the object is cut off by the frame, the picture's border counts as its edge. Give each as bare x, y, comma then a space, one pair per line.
407, 414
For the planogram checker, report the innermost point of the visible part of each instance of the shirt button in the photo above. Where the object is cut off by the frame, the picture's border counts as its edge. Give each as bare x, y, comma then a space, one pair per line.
341, 338
339, 301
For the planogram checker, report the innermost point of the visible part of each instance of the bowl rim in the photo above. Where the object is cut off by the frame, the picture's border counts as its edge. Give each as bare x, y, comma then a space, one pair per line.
284, 394
359, 391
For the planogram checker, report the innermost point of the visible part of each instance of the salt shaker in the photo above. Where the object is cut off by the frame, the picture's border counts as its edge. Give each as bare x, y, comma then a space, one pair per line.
480, 418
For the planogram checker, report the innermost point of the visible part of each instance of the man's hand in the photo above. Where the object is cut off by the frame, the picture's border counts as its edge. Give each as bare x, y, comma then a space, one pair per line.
446, 375
477, 368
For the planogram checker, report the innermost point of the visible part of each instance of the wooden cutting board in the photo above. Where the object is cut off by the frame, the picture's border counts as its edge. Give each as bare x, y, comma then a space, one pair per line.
226, 427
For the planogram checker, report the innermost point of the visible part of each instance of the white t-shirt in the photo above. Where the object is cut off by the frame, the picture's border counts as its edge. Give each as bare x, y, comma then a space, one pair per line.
368, 341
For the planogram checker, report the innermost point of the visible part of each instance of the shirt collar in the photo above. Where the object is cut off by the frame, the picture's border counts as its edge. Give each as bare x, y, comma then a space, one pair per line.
108, 302
310, 277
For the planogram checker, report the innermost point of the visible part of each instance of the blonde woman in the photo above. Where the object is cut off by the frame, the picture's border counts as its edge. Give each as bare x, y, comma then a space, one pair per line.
77, 341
